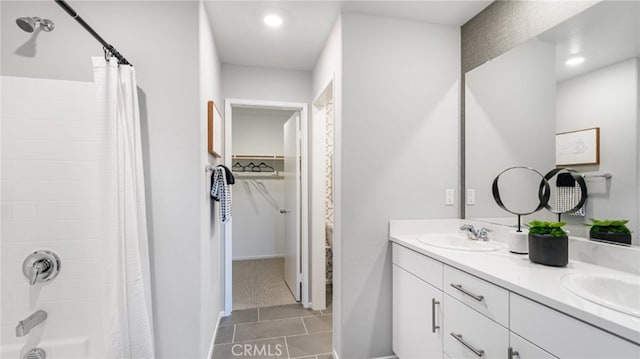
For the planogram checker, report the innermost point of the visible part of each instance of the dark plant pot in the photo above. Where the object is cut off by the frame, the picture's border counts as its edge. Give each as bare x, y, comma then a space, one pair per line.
547, 250
624, 238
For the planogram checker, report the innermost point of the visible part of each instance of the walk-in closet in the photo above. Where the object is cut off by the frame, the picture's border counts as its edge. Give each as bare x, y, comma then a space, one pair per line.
259, 208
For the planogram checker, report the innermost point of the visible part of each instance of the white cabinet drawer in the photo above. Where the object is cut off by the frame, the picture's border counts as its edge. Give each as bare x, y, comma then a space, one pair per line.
523, 349
479, 294
564, 336
423, 267
477, 333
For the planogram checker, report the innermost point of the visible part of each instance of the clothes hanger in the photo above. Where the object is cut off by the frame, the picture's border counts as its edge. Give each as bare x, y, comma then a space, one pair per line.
263, 165
238, 166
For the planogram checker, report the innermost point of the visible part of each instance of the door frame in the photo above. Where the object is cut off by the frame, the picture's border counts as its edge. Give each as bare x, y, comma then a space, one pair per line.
317, 180
304, 196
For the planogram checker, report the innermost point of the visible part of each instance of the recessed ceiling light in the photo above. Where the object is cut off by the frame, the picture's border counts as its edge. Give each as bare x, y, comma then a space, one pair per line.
273, 20
574, 61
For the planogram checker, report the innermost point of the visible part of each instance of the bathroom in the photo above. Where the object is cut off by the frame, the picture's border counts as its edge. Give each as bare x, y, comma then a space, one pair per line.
392, 72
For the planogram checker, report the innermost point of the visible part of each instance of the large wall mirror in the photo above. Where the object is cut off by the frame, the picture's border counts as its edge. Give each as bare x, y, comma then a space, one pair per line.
581, 74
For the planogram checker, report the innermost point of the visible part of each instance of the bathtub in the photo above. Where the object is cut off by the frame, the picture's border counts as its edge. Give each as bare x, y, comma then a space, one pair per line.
71, 348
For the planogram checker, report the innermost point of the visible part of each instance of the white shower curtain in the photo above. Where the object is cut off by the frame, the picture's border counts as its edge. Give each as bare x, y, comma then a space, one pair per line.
127, 315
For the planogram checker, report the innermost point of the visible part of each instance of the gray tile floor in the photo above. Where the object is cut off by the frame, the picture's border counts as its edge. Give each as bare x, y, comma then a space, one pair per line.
283, 331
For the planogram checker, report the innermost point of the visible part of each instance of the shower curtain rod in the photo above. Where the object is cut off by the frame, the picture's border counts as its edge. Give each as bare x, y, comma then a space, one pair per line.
106, 46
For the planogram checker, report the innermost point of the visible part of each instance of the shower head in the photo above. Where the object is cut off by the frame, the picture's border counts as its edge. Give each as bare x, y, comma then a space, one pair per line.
30, 24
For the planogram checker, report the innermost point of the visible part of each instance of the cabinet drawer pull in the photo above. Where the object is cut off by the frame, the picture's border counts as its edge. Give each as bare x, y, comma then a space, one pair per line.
511, 354
477, 352
434, 326
479, 298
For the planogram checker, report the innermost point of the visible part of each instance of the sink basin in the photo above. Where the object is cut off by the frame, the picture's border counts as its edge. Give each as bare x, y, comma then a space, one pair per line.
620, 294
456, 241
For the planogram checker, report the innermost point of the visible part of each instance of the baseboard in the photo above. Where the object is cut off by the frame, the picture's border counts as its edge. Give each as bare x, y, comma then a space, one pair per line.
268, 256
335, 355
215, 333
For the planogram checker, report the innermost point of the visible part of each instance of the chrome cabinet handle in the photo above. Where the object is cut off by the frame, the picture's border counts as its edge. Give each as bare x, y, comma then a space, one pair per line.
477, 297
285, 211
434, 326
477, 352
512, 353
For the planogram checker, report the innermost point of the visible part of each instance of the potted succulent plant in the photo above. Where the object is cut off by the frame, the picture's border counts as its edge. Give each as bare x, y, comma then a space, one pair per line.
610, 230
548, 243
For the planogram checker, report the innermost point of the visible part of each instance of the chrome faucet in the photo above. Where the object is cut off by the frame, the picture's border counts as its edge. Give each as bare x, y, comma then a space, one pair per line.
25, 326
472, 233
483, 235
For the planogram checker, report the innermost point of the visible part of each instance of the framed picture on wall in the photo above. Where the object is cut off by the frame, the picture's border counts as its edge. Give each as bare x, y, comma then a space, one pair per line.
581, 147
214, 130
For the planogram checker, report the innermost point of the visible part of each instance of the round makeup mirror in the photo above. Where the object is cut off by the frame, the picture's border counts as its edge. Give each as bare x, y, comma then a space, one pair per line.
521, 191
568, 191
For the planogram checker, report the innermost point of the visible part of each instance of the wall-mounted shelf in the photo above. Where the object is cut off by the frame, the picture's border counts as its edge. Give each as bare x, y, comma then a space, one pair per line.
257, 166
275, 175
256, 157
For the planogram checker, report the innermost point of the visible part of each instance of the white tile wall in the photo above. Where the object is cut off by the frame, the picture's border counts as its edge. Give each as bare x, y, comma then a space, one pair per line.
49, 196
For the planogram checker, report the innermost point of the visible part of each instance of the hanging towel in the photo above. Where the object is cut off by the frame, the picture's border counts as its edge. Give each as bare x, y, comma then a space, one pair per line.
221, 192
228, 174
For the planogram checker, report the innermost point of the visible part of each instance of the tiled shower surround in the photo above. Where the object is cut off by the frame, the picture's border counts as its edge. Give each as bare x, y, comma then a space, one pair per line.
49, 194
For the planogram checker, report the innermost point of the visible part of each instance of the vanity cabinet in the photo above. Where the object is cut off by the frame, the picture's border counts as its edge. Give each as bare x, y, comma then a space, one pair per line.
523, 349
476, 316
442, 312
417, 305
562, 335
417, 316
469, 334
486, 298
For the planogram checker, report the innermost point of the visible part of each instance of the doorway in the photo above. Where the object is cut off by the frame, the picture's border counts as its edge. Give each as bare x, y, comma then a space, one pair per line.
265, 242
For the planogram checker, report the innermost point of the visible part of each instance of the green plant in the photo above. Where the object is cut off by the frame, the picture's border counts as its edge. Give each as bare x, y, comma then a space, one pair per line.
609, 226
554, 229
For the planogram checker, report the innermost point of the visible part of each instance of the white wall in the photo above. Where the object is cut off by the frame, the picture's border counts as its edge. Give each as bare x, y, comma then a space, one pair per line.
259, 131
327, 69
510, 121
163, 46
399, 152
50, 200
258, 225
211, 236
607, 98
261, 83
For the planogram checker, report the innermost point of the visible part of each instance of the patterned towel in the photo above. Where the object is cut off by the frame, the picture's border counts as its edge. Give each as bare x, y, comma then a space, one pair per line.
221, 192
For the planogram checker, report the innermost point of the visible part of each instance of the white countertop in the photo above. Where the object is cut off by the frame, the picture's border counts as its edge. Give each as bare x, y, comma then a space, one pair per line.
540, 283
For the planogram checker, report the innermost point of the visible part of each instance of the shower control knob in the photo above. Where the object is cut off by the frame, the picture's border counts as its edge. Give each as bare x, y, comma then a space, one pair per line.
41, 266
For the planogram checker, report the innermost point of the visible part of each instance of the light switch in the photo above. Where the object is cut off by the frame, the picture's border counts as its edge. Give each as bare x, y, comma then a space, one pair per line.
449, 197
471, 196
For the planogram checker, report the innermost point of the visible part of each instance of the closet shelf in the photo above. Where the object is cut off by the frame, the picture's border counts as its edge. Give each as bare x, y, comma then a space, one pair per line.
241, 174
258, 166
257, 157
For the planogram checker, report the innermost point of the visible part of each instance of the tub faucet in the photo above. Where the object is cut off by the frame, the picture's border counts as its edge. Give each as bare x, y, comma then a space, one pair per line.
25, 326
472, 233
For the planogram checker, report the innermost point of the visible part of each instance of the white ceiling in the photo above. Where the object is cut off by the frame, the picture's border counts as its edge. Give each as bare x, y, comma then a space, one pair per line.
607, 33
242, 39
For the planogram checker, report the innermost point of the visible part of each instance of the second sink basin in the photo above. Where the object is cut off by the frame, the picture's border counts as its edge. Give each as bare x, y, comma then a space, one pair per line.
456, 241
620, 294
